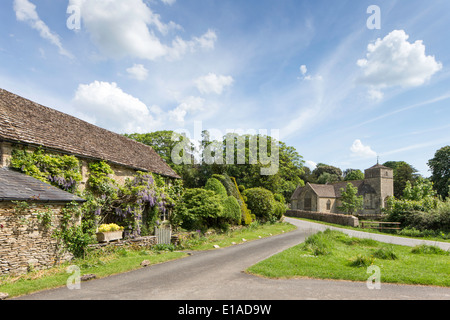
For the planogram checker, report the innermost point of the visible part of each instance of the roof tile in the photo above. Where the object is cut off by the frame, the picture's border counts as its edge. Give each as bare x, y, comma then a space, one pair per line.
25, 121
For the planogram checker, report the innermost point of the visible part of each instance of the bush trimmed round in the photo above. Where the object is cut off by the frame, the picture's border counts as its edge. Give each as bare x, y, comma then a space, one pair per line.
261, 202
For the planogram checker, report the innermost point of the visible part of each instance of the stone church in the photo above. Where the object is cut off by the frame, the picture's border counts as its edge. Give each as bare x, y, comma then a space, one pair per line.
376, 188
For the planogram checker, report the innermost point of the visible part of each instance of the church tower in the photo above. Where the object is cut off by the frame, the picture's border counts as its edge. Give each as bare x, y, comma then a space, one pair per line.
381, 179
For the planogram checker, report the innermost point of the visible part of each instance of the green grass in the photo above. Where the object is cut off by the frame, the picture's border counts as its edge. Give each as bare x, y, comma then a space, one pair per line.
253, 232
102, 265
114, 261
405, 233
335, 255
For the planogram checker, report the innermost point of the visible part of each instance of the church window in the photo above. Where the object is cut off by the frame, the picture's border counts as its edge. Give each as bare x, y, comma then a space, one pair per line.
329, 205
307, 205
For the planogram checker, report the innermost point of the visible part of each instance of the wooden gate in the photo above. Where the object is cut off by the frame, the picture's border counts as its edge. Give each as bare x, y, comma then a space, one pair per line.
163, 235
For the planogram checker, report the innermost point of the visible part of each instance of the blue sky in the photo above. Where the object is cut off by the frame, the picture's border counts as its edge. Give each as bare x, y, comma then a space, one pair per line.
339, 92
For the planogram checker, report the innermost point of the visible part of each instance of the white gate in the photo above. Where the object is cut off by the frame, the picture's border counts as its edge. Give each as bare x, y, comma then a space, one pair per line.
163, 235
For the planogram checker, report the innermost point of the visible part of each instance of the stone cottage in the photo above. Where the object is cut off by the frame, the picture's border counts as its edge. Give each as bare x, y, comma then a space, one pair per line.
376, 188
24, 124
25, 239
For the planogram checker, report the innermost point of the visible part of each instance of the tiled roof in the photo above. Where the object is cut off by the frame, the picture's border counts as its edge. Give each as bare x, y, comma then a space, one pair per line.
15, 186
329, 190
25, 121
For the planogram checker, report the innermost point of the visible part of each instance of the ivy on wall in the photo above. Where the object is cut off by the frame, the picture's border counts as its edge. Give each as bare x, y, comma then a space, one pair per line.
138, 205
61, 171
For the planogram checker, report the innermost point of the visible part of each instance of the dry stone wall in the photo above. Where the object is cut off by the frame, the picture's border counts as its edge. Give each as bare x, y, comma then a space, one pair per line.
25, 243
341, 219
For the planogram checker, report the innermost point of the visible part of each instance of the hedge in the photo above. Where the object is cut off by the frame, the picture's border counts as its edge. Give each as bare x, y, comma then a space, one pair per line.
232, 190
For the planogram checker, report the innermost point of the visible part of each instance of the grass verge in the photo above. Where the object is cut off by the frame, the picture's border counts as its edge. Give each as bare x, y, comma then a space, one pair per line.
405, 233
252, 232
335, 255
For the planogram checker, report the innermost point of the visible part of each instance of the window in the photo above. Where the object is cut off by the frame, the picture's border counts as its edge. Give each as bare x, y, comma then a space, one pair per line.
307, 206
329, 205
369, 200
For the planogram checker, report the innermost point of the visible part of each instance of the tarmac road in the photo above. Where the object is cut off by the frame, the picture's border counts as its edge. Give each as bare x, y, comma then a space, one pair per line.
218, 275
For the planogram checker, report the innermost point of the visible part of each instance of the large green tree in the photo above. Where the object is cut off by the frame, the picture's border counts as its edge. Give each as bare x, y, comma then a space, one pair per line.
243, 156
351, 202
403, 172
440, 168
325, 173
353, 174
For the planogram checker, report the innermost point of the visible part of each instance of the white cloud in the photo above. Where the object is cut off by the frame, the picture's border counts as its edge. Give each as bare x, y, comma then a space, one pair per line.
169, 2
311, 164
303, 69
393, 61
360, 150
106, 105
127, 28
187, 105
26, 12
138, 71
213, 83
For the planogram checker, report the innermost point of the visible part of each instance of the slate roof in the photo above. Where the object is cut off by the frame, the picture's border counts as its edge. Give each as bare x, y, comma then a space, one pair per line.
16, 186
25, 121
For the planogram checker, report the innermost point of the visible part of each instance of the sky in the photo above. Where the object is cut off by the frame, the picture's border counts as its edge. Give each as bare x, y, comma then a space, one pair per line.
344, 82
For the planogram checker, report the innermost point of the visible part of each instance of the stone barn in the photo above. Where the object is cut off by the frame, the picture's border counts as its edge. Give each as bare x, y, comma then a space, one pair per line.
26, 241
25, 125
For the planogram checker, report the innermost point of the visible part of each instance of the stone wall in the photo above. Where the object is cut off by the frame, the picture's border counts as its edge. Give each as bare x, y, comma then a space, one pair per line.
138, 243
341, 219
25, 243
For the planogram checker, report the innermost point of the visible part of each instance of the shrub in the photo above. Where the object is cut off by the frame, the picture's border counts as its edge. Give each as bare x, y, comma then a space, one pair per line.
261, 203
215, 185
279, 210
200, 209
231, 210
232, 190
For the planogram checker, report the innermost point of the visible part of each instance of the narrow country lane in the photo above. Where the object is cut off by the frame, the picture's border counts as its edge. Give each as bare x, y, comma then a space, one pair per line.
218, 275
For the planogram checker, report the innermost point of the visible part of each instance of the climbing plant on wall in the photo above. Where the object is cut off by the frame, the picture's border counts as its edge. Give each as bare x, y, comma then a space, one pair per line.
62, 171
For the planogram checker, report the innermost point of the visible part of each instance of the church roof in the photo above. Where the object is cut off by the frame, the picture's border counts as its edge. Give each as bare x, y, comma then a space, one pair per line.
328, 190
24, 121
16, 186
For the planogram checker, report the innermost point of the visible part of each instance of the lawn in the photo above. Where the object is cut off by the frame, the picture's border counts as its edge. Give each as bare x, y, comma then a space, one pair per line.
335, 255
253, 232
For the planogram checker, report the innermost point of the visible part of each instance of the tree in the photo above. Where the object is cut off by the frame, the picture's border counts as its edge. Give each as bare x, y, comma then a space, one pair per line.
440, 168
327, 178
403, 172
322, 168
353, 174
351, 202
